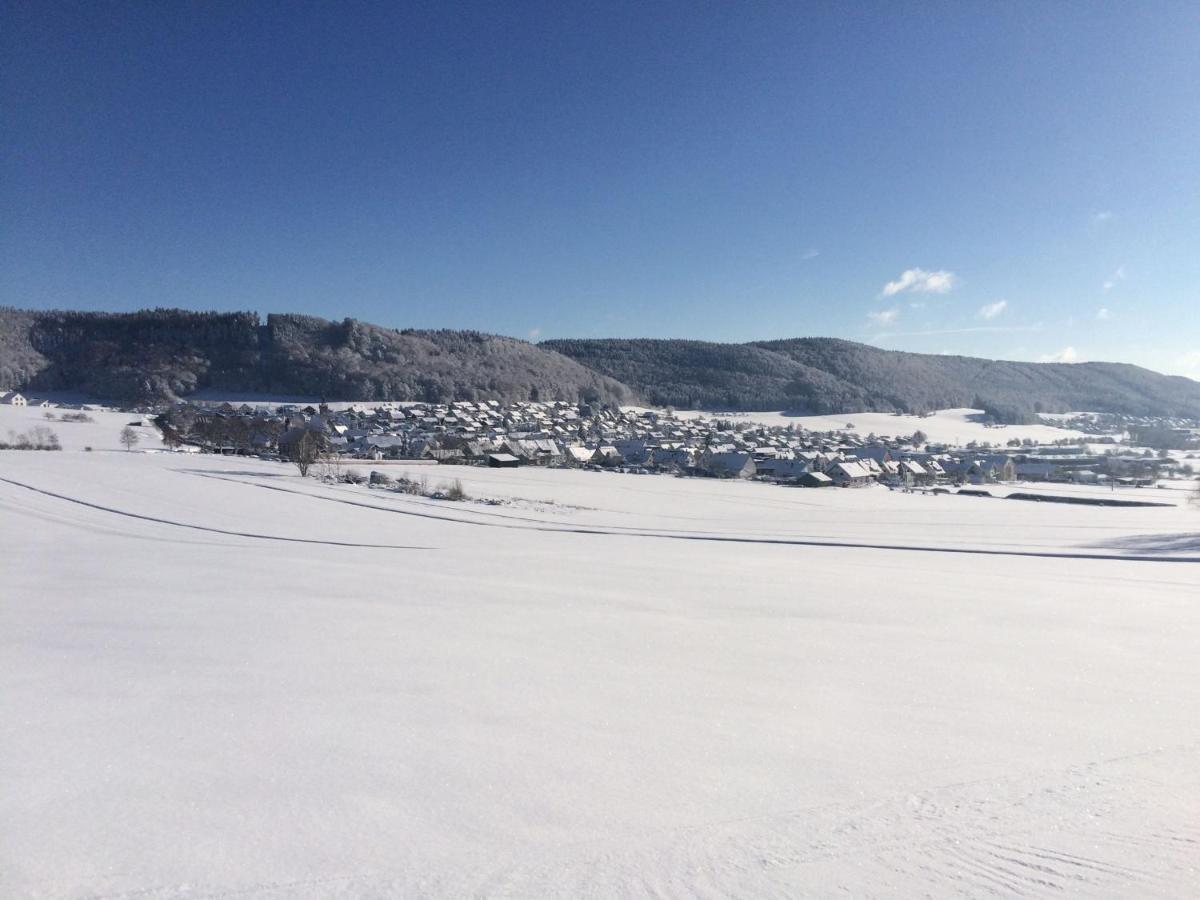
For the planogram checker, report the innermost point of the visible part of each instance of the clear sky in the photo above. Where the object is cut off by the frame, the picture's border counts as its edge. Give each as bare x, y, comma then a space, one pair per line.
999, 179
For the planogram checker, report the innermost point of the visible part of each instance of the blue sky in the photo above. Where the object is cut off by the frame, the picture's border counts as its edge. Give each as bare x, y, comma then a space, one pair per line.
1008, 180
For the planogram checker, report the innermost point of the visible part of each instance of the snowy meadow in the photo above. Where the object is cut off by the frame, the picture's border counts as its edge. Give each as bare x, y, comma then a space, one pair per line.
222, 679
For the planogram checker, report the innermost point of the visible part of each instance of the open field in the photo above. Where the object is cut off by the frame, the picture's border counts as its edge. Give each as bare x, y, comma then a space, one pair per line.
102, 433
954, 426
219, 679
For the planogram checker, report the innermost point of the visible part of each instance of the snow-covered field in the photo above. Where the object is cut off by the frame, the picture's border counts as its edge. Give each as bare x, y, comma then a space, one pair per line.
218, 679
102, 433
953, 426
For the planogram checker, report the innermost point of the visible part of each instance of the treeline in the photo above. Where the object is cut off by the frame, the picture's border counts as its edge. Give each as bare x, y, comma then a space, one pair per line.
167, 353
355, 360
142, 355
827, 375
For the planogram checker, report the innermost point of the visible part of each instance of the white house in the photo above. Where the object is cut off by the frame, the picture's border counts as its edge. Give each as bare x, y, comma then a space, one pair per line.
12, 398
850, 474
731, 464
783, 468
607, 456
580, 456
912, 472
672, 457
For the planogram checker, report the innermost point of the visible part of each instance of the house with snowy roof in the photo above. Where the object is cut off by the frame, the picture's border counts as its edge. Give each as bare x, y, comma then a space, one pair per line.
850, 473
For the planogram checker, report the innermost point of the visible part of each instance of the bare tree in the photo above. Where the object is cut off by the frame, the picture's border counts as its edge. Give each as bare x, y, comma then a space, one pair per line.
46, 439
329, 466
129, 437
304, 450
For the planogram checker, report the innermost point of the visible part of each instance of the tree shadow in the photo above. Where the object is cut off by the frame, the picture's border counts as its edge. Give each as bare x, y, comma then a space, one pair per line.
246, 472
1182, 542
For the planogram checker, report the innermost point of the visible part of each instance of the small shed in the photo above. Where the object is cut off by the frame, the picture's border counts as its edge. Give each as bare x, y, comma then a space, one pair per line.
502, 461
814, 479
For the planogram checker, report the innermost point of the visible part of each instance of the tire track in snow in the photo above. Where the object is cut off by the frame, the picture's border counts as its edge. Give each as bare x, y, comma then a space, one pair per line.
81, 522
524, 524
245, 534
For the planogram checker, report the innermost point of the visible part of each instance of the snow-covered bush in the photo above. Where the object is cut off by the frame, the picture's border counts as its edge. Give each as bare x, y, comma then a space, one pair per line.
37, 438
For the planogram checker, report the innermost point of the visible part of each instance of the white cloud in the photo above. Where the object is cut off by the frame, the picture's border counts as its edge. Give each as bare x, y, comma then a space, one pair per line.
1105, 215
883, 317
1189, 363
1118, 275
1065, 355
979, 329
1103, 314
810, 253
918, 281
535, 333
993, 309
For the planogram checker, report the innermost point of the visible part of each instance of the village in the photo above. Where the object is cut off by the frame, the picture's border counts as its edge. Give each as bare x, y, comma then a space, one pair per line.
559, 434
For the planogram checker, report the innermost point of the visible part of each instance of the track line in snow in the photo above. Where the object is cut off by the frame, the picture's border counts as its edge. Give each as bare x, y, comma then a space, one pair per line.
522, 524
207, 528
79, 523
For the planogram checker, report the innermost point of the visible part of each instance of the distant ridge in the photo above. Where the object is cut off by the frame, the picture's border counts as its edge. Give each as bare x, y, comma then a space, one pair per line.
167, 353
828, 375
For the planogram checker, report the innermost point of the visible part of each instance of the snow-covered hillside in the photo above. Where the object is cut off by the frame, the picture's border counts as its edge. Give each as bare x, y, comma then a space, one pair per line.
219, 679
103, 432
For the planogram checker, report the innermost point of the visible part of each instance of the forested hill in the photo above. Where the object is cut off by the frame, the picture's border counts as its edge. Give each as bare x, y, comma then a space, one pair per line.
826, 375
166, 353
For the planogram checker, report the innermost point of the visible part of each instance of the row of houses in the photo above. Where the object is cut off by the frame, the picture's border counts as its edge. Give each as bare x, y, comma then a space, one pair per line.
566, 434
16, 398
561, 434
